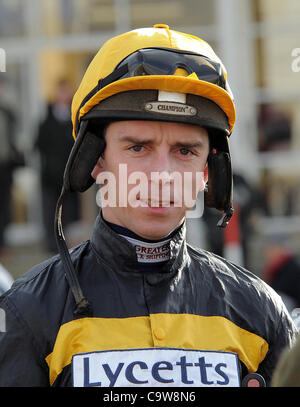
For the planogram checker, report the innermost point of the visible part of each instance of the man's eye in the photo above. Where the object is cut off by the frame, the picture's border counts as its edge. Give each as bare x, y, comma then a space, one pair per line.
185, 151
137, 148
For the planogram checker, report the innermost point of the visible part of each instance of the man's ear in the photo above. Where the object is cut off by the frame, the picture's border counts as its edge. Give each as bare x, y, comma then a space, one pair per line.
204, 178
99, 167
206, 173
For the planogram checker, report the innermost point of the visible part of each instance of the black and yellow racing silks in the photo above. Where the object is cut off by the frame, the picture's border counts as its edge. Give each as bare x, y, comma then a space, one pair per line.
198, 321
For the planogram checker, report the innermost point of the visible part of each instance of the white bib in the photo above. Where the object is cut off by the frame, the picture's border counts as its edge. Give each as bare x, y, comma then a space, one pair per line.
152, 367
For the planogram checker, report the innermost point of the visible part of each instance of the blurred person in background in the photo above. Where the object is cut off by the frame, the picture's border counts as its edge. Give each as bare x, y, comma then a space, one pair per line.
247, 203
275, 129
287, 372
10, 158
54, 145
282, 270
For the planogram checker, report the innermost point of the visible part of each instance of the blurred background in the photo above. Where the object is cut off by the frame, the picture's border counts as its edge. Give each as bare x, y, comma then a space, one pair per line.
45, 49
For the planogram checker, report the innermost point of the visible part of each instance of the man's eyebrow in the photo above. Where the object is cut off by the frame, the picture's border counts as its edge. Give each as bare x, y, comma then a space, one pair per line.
135, 140
182, 144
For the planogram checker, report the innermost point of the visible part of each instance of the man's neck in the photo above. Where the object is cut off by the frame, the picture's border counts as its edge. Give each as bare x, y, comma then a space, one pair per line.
147, 251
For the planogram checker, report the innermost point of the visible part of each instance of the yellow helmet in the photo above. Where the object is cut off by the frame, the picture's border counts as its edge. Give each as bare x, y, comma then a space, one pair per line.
154, 74
198, 71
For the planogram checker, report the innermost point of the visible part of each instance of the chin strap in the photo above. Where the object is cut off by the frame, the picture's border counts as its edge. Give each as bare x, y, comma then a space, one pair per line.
223, 222
83, 306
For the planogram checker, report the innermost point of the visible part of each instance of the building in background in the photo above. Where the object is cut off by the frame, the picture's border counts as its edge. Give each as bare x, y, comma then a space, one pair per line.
255, 38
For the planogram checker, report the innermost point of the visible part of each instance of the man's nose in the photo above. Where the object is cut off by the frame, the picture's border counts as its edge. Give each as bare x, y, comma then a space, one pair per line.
161, 162
161, 172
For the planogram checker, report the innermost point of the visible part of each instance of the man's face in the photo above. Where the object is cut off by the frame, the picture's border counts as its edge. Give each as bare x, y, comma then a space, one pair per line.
175, 151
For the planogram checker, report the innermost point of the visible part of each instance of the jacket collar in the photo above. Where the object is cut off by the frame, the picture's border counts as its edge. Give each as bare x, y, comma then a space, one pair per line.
120, 255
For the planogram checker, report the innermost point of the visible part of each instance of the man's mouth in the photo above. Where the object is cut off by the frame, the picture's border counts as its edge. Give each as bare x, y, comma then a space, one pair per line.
157, 204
